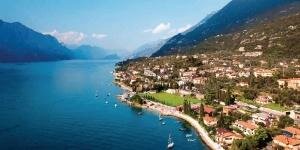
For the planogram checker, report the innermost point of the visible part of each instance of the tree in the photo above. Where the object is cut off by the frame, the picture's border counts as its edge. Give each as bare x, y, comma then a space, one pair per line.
262, 137
137, 99
201, 110
187, 106
285, 121
250, 93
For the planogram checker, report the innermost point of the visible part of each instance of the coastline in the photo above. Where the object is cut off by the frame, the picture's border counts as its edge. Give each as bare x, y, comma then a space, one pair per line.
171, 111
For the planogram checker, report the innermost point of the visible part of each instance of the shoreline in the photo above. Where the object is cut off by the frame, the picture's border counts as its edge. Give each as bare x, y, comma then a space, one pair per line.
171, 111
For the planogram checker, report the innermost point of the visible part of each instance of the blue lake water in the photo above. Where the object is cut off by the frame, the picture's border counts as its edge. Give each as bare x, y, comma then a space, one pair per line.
53, 106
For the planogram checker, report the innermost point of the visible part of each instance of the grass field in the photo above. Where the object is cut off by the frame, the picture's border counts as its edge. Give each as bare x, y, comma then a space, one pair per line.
172, 99
276, 107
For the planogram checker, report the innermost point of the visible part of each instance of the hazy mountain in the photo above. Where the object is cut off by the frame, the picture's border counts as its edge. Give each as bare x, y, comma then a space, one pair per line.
93, 52
19, 43
148, 49
234, 15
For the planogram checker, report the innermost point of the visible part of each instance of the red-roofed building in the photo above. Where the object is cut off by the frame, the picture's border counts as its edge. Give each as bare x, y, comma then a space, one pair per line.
292, 132
209, 121
247, 127
287, 142
225, 137
208, 110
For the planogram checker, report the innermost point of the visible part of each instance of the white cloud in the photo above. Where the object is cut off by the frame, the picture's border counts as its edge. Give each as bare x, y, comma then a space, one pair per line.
70, 37
99, 36
184, 28
166, 27
162, 27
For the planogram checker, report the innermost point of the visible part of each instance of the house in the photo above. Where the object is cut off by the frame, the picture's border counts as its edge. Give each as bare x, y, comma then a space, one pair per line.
295, 114
149, 73
193, 68
242, 84
264, 99
263, 73
287, 142
291, 132
253, 54
229, 109
261, 118
247, 127
225, 137
184, 92
209, 121
199, 81
171, 91
293, 83
208, 110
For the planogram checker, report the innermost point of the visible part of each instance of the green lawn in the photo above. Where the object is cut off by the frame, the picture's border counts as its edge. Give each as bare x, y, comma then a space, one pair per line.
276, 107
172, 99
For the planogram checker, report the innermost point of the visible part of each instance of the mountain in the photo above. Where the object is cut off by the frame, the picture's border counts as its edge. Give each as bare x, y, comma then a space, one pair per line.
275, 33
230, 18
92, 52
148, 49
19, 43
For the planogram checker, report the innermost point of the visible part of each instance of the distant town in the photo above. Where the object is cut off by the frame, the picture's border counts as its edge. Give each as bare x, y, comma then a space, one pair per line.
240, 99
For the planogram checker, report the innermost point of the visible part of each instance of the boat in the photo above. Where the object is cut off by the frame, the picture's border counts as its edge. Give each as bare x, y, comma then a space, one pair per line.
108, 94
116, 105
182, 129
191, 140
188, 135
140, 113
160, 118
97, 95
170, 143
106, 102
163, 123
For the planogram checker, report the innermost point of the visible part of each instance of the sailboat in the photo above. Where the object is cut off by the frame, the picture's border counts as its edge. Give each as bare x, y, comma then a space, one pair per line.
170, 142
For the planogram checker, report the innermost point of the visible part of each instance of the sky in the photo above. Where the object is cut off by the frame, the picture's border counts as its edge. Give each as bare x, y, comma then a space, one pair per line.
113, 24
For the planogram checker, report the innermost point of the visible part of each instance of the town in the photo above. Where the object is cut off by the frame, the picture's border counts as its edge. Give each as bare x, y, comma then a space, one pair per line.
242, 99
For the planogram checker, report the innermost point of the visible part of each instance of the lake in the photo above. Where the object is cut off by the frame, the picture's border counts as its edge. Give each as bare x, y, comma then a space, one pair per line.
52, 105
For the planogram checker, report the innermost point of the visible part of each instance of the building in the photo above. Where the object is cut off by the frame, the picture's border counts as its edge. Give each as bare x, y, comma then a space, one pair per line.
209, 121
199, 81
261, 118
293, 83
291, 132
149, 73
295, 114
287, 143
225, 137
208, 110
253, 54
247, 127
229, 109
172, 91
263, 73
264, 99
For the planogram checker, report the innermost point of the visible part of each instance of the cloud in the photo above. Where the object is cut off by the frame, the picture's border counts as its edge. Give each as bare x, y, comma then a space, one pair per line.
162, 27
184, 28
166, 27
70, 37
99, 36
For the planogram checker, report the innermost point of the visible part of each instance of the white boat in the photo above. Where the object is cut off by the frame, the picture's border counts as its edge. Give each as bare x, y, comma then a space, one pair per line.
188, 135
106, 102
191, 140
163, 123
170, 142
116, 105
108, 94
